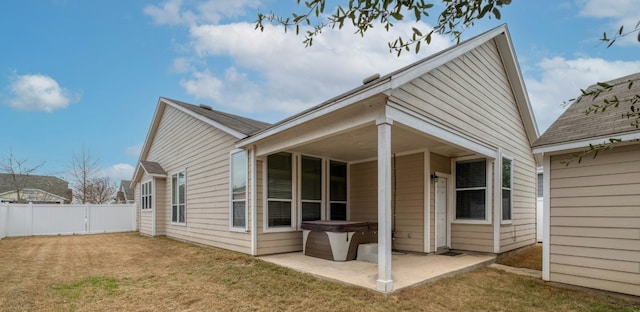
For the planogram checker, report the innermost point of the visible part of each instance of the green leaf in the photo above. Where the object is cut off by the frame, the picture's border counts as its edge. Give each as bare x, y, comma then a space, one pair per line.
496, 13
418, 46
417, 32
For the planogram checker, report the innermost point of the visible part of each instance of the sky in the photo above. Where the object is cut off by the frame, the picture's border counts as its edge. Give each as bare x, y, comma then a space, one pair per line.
77, 74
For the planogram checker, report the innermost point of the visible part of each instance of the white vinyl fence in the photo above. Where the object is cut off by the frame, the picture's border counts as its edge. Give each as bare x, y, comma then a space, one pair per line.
45, 219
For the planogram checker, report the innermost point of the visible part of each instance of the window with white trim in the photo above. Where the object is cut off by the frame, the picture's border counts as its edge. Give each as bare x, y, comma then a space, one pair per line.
471, 189
337, 190
310, 188
279, 190
507, 170
146, 196
178, 200
239, 189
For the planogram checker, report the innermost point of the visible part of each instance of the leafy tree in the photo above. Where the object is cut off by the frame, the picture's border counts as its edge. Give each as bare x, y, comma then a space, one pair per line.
455, 16
19, 173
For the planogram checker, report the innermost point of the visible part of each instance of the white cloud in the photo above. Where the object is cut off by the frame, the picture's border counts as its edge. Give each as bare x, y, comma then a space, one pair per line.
176, 12
273, 71
118, 172
39, 93
619, 12
133, 150
561, 80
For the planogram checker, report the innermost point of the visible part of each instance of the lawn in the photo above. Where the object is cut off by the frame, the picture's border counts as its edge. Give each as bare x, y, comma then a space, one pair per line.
129, 272
528, 258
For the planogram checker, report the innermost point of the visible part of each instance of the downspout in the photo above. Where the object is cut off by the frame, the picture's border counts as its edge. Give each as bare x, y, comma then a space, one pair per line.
254, 192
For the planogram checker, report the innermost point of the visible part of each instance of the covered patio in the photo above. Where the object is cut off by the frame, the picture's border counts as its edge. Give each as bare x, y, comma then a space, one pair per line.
409, 269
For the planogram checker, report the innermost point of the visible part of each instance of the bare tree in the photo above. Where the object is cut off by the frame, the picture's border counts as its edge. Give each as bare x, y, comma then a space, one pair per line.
101, 190
84, 170
19, 173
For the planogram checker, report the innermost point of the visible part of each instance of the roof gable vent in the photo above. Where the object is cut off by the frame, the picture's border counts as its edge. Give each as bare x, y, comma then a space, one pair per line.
370, 78
207, 107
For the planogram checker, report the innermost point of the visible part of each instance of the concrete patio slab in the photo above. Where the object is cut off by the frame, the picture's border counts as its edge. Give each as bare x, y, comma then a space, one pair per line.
407, 269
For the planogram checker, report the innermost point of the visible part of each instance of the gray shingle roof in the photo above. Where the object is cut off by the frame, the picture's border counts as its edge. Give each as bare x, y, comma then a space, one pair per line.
125, 185
575, 125
241, 124
152, 167
48, 184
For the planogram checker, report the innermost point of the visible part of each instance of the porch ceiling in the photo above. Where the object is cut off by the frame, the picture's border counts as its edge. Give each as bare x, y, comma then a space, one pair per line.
362, 143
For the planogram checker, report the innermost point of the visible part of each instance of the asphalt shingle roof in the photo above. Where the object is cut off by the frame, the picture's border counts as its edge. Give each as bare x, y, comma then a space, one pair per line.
575, 125
152, 167
241, 124
48, 184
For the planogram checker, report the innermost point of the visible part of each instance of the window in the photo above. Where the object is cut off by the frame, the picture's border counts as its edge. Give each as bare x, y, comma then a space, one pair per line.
178, 191
506, 188
239, 190
311, 188
337, 190
279, 190
471, 189
540, 184
145, 190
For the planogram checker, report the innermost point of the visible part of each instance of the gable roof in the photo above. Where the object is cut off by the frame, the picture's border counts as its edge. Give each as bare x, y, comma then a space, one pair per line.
152, 168
240, 124
49, 184
128, 191
234, 125
384, 84
574, 128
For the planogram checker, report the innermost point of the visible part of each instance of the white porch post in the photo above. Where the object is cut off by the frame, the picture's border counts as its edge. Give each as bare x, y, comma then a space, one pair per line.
384, 282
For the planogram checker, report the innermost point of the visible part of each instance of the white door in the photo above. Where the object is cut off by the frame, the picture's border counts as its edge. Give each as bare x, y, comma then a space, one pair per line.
441, 212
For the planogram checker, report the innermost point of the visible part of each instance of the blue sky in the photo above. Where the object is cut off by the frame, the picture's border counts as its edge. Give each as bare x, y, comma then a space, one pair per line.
77, 73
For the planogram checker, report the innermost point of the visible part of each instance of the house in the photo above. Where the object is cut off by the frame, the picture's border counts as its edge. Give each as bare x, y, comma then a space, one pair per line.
37, 189
125, 193
437, 153
592, 207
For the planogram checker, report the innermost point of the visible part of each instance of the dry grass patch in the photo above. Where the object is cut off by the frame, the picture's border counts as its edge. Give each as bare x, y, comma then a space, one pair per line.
529, 258
129, 272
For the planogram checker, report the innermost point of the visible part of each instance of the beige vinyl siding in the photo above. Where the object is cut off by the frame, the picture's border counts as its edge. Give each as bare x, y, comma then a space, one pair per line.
409, 203
473, 237
442, 164
472, 95
163, 213
185, 143
409, 206
272, 243
595, 220
363, 191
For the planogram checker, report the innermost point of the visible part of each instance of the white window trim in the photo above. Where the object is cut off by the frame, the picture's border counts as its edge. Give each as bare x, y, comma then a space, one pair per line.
185, 197
323, 191
488, 187
151, 194
510, 220
244, 228
266, 199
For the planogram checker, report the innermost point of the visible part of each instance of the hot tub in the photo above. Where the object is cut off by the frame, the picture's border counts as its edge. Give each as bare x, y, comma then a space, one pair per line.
336, 240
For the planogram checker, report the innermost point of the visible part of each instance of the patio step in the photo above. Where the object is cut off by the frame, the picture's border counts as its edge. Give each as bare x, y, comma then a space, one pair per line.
368, 252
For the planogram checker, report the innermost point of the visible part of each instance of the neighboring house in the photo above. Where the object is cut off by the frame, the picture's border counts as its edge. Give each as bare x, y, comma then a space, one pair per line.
592, 207
438, 153
35, 189
125, 193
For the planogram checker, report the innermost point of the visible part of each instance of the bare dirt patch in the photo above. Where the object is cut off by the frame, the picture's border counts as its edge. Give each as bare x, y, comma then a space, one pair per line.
129, 272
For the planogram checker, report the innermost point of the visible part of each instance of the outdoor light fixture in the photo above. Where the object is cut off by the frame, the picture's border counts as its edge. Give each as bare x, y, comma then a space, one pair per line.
434, 178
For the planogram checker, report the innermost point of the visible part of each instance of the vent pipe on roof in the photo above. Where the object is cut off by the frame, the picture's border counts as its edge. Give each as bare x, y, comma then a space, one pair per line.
207, 107
370, 78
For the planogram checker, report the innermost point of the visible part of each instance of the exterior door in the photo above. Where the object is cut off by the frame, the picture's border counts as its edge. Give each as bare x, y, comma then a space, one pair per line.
441, 212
